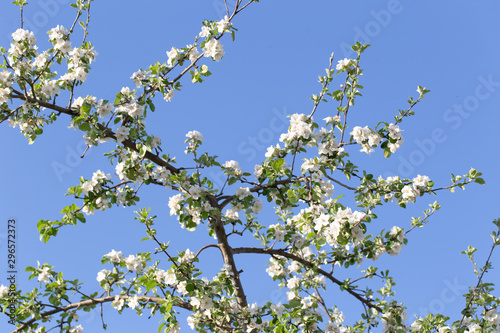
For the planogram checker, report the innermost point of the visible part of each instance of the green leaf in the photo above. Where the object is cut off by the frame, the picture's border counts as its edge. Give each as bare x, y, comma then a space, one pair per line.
84, 127
291, 196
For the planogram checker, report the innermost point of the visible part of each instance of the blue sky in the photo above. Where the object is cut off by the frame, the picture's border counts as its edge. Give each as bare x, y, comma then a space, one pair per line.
270, 71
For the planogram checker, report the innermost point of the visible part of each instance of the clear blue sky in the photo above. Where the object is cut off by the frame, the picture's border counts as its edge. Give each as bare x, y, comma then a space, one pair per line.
270, 70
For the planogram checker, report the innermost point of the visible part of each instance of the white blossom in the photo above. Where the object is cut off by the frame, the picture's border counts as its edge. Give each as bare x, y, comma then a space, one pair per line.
195, 135
45, 275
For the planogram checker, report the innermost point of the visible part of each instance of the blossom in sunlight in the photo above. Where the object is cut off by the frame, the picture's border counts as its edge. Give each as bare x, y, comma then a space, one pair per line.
344, 64
213, 49
76, 329
420, 181
133, 302
122, 133
118, 303
115, 257
45, 275
234, 166
224, 24
4, 291
102, 275
195, 135
172, 56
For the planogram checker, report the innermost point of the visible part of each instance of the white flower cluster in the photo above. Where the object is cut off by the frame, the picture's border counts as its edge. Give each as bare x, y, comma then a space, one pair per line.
232, 168
78, 61
5, 86
272, 151
192, 210
50, 89
133, 109
23, 43
194, 135
399, 235
45, 275
194, 139
344, 64
102, 201
213, 49
59, 36
366, 138
393, 321
102, 275
276, 268
411, 192
133, 263
76, 329
115, 257
175, 54
395, 134
238, 204
94, 185
300, 128
342, 217
138, 77
493, 317
4, 291
224, 24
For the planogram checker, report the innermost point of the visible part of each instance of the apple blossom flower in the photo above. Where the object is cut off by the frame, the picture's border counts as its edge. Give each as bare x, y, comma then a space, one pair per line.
344, 64
104, 110
243, 192
172, 56
118, 303
213, 48
76, 329
409, 193
138, 77
58, 32
169, 94
45, 275
63, 45
234, 166
257, 206
4, 95
188, 256
133, 302
193, 53
122, 133
195, 135
174, 204
134, 263
293, 282
420, 181
205, 32
4, 291
223, 24
115, 257
102, 275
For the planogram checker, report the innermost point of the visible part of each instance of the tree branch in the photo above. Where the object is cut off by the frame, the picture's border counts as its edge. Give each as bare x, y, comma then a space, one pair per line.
308, 264
77, 305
